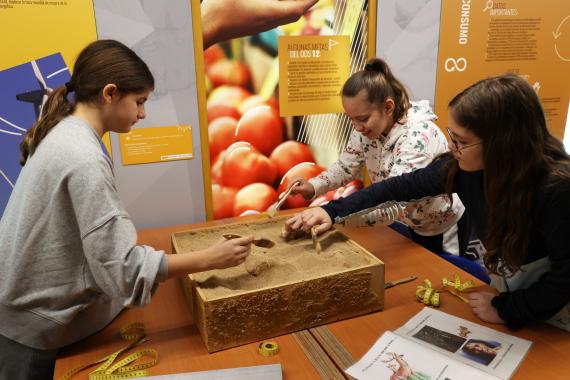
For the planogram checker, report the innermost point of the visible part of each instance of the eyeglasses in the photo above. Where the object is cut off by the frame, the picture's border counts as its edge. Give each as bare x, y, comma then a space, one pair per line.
456, 145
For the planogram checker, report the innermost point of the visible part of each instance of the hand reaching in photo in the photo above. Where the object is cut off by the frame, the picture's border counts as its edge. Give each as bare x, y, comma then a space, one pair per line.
226, 19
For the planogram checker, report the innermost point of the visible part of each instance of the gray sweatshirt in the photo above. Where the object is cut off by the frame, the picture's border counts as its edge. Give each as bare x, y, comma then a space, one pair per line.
68, 253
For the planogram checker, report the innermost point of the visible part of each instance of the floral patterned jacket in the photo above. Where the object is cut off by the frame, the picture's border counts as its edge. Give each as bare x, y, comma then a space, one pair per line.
407, 147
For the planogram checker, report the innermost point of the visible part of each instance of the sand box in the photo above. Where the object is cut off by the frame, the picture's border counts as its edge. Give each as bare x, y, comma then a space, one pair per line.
289, 261
300, 289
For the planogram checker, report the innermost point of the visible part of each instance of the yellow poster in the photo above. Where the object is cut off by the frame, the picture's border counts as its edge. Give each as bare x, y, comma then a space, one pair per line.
34, 29
312, 70
481, 38
40, 41
146, 145
50, 26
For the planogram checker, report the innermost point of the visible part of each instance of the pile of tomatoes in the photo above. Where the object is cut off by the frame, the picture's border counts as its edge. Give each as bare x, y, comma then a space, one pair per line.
252, 162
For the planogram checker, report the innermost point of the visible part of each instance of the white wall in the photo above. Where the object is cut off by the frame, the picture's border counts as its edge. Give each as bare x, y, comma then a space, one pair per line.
168, 193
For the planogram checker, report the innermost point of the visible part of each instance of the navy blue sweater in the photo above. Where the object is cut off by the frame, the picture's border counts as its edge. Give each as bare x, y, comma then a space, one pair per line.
550, 236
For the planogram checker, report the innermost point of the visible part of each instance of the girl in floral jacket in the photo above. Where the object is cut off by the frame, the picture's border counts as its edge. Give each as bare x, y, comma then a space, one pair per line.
391, 136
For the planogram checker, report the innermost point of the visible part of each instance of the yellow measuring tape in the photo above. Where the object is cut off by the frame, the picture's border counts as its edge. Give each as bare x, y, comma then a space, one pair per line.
430, 296
268, 348
134, 333
455, 287
427, 294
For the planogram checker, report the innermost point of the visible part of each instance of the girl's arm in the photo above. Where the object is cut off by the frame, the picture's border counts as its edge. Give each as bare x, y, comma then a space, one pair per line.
424, 182
123, 270
344, 170
224, 254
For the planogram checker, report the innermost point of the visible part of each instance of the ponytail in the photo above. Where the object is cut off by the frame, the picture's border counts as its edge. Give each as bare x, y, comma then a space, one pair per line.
53, 111
380, 84
100, 63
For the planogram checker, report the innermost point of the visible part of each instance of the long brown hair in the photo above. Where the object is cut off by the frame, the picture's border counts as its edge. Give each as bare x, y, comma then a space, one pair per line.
520, 156
100, 63
380, 84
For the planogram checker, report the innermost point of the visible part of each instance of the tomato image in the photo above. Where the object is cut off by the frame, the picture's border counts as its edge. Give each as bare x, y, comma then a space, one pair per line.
228, 72
307, 171
256, 196
224, 101
216, 110
223, 201
254, 101
345, 191
217, 168
244, 165
253, 150
341, 192
330, 195
230, 96
289, 154
221, 133
262, 127
321, 200
213, 54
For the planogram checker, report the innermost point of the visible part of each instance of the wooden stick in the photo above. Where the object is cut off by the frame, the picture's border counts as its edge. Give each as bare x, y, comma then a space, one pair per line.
316, 242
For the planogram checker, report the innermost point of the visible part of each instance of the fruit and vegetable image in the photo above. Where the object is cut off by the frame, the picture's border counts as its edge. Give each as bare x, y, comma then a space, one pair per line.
254, 152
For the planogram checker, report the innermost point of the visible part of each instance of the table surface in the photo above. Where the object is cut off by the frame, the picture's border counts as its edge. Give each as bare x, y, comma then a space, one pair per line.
169, 326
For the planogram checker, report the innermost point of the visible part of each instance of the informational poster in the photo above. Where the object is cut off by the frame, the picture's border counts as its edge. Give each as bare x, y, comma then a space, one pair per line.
273, 103
481, 38
313, 70
146, 145
40, 41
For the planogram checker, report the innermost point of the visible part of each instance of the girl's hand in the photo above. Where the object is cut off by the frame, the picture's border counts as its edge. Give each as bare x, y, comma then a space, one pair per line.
305, 220
480, 303
228, 253
304, 188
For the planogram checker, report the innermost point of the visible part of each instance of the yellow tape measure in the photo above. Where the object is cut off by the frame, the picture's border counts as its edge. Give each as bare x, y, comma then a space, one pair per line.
134, 333
427, 294
268, 348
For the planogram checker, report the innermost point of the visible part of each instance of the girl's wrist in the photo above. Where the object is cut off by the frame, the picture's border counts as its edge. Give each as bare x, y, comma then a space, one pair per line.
203, 259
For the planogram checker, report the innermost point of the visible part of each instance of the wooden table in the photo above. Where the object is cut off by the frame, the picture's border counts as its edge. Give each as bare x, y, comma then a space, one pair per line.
169, 323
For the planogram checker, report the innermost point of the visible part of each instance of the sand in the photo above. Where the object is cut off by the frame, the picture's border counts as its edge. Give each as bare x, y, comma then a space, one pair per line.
289, 261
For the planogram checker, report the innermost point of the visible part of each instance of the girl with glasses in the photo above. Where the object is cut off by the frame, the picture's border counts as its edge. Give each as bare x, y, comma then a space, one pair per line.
513, 177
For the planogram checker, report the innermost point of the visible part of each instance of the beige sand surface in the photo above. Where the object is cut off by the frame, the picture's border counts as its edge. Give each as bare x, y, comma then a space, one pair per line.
289, 261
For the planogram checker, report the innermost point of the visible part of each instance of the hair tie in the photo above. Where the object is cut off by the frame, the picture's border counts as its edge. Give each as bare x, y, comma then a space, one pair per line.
375, 66
69, 87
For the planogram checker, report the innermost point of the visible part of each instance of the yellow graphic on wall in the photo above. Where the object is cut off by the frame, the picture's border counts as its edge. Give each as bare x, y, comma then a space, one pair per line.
481, 38
35, 29
147, 145
312, 70
40, 41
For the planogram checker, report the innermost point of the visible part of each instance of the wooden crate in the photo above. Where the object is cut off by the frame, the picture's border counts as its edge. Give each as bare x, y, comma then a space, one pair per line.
300, 289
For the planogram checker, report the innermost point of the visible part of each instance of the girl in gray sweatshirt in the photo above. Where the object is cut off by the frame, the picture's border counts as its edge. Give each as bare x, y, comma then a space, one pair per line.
70, 262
